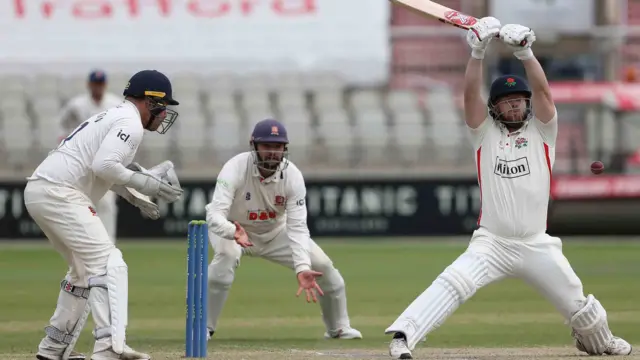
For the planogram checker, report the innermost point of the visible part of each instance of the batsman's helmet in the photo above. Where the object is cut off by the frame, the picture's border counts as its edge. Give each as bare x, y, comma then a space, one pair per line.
269, 131
508, 85
156, 87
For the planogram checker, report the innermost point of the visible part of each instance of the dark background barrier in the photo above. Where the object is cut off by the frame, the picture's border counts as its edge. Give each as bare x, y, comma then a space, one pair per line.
353, 208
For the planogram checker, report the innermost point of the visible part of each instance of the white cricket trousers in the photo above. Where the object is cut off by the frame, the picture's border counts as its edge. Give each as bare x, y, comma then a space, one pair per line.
226, 259
68, 219
108, 212
538, 261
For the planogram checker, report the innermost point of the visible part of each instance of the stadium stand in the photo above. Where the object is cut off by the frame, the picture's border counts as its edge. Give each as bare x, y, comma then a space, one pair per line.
331, 125
413, 123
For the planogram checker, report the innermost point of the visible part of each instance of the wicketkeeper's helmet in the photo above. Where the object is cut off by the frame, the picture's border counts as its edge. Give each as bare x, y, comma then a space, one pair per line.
155, 86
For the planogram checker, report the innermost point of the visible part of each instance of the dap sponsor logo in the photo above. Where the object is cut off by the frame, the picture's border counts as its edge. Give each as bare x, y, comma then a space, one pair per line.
261, 215
512, 169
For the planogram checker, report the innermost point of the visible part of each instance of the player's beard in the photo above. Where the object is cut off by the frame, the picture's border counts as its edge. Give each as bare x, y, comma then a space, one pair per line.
513, 119
270, 164
513, 126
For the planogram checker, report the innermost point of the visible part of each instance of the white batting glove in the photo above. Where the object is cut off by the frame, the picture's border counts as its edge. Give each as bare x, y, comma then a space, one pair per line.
164, 171
519, 38
148, 208
480, 35
152, 186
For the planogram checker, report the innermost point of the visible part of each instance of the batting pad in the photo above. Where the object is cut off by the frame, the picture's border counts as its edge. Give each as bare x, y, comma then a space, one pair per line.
452, 288
70, 316
116, 283
590, 327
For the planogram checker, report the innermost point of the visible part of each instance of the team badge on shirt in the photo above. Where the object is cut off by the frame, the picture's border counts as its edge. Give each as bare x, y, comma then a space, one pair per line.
521, 142
280, 200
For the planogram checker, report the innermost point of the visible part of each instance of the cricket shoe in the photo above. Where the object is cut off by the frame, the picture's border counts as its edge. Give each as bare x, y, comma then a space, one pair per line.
398, 348
616, 346
210, 334
50, 349
42, 355
344, 333
127, 354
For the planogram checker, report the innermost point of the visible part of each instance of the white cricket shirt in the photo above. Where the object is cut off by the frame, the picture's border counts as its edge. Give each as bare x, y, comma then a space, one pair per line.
514, 175
93, 157
263, 207
83, 107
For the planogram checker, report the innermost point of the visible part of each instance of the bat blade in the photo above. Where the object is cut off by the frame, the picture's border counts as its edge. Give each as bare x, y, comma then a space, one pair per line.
440, 12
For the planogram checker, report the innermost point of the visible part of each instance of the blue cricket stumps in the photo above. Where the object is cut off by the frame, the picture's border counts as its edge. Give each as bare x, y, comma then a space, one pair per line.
197, 273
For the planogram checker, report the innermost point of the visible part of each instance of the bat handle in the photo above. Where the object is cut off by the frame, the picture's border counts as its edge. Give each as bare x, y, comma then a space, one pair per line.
522, 43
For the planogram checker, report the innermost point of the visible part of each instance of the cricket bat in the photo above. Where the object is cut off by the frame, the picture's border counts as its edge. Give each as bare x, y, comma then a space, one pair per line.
440, 12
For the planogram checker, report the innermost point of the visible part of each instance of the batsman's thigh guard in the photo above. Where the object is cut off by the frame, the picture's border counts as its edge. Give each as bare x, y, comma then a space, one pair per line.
546, 269
334, 301
109, 303
590, 327
68, 320
226, 258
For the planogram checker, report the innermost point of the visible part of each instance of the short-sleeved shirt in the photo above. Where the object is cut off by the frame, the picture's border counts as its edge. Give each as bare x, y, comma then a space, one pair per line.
514, 175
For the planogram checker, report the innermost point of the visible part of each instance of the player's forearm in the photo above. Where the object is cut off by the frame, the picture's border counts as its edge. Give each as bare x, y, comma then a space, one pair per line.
111, 171
299, 238
300, 251
474, 103
218, 223
473, 79
536, 76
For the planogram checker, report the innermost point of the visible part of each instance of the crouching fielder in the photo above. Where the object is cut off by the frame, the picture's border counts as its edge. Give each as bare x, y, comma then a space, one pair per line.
61, 196
515, 152
263, 192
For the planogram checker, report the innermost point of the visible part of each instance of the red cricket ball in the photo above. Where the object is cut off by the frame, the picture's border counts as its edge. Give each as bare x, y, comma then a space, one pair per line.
597, 167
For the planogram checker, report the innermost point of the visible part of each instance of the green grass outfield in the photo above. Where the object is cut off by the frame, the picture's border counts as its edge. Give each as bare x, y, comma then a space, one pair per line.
264, 320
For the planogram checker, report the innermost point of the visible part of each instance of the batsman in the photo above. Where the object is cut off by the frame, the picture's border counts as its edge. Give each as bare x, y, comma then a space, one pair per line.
514, 138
